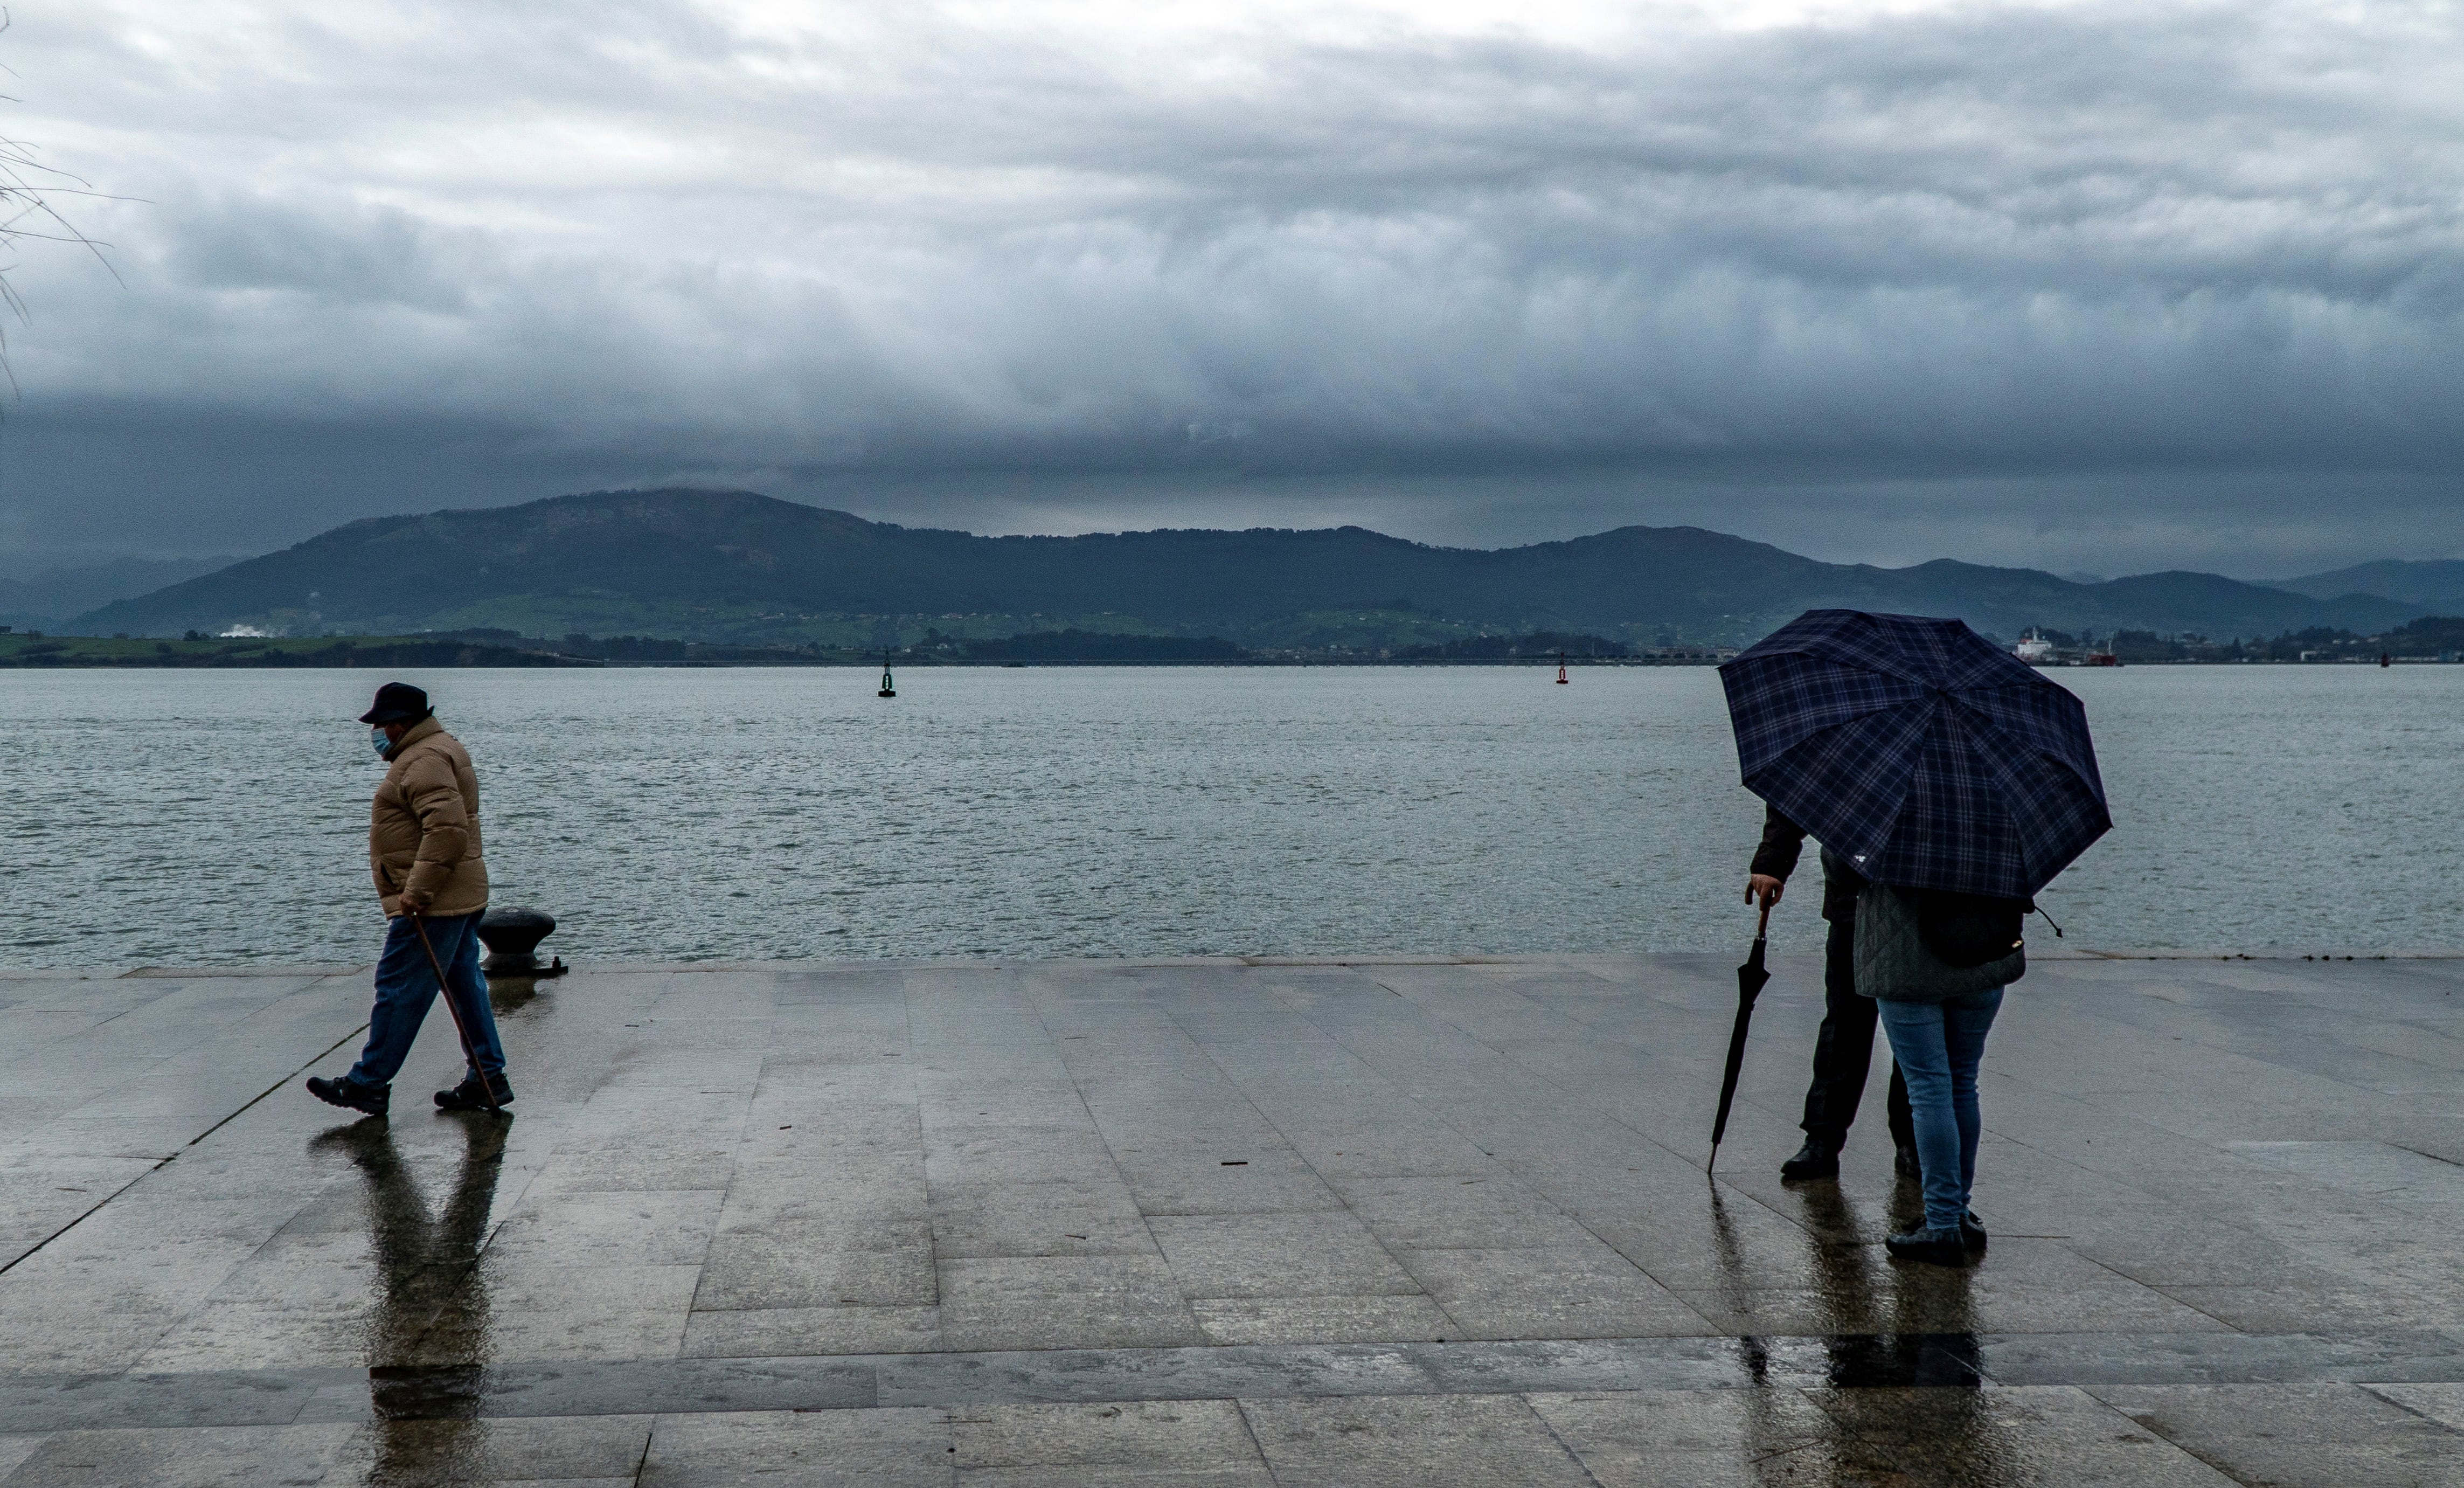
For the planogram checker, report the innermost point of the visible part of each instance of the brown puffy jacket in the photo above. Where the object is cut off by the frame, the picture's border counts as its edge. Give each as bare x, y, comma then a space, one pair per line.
423, 829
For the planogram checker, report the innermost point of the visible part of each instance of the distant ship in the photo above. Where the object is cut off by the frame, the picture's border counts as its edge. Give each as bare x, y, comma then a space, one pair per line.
2036, 651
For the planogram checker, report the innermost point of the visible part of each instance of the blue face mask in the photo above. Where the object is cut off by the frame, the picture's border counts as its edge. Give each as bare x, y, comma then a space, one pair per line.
377, 738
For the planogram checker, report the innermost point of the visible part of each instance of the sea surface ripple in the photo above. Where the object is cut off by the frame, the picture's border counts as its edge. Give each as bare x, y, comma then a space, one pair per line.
203, 818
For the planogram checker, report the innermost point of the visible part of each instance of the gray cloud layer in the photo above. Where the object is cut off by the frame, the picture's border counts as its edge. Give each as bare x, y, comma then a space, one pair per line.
2120, 285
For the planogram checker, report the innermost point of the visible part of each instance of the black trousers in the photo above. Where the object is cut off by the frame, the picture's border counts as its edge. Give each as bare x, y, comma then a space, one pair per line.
1844, 1050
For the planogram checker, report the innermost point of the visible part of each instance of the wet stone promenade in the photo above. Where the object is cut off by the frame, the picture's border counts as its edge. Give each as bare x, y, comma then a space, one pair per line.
1223, 1223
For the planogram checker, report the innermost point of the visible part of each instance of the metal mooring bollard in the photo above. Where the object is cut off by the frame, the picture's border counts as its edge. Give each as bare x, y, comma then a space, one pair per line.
512, 937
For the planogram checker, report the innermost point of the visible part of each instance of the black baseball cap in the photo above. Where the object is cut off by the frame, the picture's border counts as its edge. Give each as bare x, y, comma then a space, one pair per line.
397, 702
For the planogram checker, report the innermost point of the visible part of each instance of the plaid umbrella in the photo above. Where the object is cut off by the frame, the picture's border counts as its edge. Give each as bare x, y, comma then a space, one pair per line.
1923, 753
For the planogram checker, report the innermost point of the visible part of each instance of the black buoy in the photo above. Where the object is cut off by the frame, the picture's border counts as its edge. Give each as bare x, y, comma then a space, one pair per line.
889, 688
1561, 666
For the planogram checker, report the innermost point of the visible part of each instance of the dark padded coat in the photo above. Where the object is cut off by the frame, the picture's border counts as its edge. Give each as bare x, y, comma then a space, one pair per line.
1776, 856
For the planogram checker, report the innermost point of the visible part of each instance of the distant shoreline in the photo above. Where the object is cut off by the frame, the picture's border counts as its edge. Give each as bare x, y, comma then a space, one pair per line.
89, 654
36, 651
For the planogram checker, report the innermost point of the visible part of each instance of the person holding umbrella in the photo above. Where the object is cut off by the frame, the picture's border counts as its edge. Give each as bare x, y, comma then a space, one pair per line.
423, 853
1843, 1050
1956, 780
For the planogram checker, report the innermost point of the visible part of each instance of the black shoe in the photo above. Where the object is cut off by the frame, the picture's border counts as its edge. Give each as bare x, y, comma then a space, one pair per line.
1936, 1247
1907, 1163
1971, 1233
1813, 1159
469, 1097
352, 1096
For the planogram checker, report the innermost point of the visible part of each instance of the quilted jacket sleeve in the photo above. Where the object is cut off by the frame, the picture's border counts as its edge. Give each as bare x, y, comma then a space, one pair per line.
444, 825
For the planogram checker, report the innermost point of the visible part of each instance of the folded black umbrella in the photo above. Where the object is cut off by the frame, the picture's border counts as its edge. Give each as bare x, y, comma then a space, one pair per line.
1750, 978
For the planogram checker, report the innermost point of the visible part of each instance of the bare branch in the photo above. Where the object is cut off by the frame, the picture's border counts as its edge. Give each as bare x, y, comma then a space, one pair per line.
28, 189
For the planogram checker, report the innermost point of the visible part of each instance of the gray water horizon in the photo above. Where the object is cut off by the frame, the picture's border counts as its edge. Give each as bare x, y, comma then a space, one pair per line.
218, 818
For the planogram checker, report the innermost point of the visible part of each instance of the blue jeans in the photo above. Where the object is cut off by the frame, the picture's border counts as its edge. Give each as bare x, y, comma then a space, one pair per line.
406, 986
1939, 1046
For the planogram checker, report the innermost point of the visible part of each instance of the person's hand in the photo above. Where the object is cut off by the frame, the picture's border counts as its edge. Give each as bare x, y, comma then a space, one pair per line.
413, 910
1764, 890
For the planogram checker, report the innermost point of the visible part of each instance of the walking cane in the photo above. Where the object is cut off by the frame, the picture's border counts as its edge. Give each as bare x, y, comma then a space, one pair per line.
468, 1052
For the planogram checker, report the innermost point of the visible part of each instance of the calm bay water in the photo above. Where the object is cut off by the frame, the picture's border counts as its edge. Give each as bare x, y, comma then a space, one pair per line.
211, 818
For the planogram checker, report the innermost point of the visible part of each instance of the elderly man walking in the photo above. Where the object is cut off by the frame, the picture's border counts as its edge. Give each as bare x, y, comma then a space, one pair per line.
424, 850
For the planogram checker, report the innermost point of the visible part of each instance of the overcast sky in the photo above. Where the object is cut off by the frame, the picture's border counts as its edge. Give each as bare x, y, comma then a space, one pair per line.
2113, 287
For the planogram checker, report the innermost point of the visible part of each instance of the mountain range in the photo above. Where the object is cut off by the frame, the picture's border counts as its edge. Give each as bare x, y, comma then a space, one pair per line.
2434, 583
36, 597
738, 566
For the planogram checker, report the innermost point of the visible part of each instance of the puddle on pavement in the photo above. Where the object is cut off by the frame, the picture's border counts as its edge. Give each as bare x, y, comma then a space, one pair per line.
428, 1342
1900, 1336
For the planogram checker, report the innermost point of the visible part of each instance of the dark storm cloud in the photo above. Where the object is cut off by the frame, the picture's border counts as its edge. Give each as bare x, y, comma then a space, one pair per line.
2144, 281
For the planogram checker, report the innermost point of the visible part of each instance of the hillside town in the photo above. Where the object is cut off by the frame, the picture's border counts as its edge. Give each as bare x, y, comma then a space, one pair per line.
2431, 639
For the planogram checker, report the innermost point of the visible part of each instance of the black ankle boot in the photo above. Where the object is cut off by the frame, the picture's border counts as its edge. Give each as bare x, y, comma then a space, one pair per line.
1935, 1247
1971, 1233
1813, 1159
352, 1096
469, 1097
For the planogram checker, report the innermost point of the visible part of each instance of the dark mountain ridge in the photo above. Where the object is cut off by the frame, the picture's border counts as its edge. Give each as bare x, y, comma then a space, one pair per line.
734, 564
44, 595
2436, 583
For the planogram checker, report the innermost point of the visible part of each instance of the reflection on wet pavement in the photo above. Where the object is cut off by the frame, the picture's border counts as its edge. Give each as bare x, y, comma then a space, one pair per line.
428, 1344
1222, 1223
1885, 1328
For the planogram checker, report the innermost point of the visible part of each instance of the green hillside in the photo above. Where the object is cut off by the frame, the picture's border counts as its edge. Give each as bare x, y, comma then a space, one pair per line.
734, 567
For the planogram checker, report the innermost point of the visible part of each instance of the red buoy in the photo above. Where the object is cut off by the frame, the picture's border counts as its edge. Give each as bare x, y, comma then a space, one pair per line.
1561, 669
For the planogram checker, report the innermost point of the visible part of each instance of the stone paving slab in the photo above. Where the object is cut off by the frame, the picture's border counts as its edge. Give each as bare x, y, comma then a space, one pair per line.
2099, 1361
1392, 1219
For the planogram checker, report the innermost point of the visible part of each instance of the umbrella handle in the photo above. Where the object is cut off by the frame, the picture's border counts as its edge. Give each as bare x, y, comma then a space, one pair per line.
1762, 926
